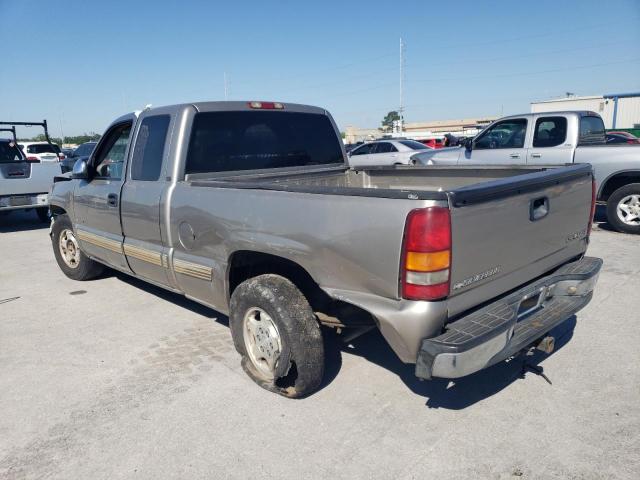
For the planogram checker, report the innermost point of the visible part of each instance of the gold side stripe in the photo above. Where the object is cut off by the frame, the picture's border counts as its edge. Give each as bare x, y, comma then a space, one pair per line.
162, 260
193, 269
143, 254
100, 241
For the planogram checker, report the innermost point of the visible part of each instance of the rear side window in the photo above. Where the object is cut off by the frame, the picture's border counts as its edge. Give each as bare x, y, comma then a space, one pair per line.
385, 147
550, 132
413, 145
251, 140
364, 149
146, 162
591, 131
9, 152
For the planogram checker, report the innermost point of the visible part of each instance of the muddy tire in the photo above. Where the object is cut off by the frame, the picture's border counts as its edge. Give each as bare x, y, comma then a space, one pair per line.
71, 260
623, 209
276, 332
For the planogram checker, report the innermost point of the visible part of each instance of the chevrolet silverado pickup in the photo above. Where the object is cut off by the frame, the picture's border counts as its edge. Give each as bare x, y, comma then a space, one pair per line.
558, 138
251, 209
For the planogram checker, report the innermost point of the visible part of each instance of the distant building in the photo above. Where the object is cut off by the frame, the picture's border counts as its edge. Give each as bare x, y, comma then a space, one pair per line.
466, 127
618, 110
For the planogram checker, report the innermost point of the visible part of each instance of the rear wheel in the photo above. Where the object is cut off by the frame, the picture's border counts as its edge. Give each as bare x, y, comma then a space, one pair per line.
276, 332
623, 209
71, 260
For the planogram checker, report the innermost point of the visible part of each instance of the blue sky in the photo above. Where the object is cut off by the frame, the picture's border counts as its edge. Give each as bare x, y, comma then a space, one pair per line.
82, 63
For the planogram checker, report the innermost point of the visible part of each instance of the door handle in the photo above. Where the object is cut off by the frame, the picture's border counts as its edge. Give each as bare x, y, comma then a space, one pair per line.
515, 155
538, 208
536, 155
112, 200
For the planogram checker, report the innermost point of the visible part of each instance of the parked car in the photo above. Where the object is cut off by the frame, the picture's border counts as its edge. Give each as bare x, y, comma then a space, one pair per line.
385, 152
81, 152
558, 138
350, 146
24, 184
433, 142
42, 151
614, 137
250, 208
628, 135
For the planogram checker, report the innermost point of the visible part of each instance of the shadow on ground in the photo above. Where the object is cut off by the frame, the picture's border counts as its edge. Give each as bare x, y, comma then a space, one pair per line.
20, 221
463, 392
439, 393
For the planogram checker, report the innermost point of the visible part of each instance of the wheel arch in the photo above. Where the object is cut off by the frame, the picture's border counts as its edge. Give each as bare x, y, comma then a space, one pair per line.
56, 210
245, 264
617, 180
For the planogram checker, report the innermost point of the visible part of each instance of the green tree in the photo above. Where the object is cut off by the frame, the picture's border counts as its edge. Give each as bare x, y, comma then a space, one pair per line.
387, 121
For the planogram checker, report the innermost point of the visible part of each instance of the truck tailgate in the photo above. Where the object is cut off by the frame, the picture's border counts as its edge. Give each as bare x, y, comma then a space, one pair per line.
19, 178
507, 232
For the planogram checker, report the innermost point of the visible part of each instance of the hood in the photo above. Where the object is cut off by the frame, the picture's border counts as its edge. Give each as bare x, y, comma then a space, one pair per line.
446, 155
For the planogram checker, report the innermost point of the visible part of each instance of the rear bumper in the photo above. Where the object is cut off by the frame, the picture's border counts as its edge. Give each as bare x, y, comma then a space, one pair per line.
502, 328
21, 201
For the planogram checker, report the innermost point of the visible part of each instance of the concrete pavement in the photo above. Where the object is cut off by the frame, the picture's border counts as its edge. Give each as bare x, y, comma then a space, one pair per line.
114, 378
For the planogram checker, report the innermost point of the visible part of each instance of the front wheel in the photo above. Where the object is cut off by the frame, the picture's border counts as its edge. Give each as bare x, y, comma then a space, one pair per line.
71, 260
623, 209
276, 332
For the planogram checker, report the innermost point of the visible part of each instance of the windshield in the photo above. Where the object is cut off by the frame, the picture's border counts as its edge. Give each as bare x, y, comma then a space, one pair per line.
43, 148
9, 152
251, 140
413, 145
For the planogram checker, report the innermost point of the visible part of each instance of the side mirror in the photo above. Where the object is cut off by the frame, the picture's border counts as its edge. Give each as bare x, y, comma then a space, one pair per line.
468, 145
80, 170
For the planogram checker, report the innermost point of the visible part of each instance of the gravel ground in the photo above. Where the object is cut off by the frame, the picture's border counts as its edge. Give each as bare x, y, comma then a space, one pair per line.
118, 379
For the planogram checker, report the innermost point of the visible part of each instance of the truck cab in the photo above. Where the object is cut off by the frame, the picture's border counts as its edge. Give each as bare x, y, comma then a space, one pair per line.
557, 138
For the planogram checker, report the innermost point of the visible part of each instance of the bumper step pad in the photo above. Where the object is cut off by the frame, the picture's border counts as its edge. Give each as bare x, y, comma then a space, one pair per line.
483, 329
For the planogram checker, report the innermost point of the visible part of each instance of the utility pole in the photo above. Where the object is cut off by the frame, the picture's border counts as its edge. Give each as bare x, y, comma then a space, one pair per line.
226, 87
401, 109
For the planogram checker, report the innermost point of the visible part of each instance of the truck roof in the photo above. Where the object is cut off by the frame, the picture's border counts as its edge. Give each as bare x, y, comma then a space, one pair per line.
215, 106
581, 113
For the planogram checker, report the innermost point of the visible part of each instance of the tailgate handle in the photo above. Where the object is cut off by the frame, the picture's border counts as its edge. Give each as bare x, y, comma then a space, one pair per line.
538, 208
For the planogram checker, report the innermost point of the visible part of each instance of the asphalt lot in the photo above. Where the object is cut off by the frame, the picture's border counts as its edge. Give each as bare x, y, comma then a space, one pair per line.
118, 379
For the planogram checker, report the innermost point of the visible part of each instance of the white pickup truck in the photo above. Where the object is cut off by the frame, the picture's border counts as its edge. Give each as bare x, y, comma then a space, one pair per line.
557, 138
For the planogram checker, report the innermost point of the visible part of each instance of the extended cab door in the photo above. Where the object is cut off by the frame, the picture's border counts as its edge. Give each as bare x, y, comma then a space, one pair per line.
550, 144
501, 144
142, 194
97, 201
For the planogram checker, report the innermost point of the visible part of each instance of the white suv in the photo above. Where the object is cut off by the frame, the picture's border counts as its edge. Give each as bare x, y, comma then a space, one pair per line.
385, 152
41, 151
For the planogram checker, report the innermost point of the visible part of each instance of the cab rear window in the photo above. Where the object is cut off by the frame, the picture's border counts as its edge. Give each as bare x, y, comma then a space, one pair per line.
252, 140
43, 148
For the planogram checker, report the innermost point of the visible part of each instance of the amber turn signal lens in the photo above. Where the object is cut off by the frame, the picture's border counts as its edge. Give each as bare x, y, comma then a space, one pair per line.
427, 262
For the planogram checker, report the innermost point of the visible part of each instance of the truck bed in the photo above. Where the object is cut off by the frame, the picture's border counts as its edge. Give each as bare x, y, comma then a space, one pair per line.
422, 183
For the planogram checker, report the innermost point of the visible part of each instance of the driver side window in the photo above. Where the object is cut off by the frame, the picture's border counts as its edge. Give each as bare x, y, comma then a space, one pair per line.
507, 134
109, 159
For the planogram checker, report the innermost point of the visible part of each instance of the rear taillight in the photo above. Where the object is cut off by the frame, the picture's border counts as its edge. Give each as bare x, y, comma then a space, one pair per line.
61, 156
593, 205
426, 254
33, 159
